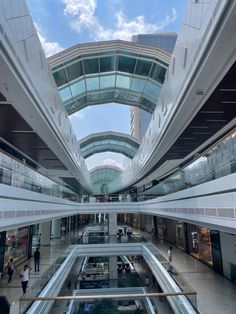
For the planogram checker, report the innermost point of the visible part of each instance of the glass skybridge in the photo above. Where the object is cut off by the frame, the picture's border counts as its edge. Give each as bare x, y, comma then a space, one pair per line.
109, 141
101, 176
115, 71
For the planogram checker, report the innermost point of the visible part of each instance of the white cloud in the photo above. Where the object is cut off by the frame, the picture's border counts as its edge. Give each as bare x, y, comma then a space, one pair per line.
82, 16
126, 28
112, 162
50, 47
83, 11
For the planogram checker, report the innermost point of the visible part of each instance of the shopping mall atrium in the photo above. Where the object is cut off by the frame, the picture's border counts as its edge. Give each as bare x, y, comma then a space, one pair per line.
157, 237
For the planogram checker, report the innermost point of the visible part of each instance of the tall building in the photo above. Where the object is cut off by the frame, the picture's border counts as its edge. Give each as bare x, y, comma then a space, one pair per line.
140, 119
164, 41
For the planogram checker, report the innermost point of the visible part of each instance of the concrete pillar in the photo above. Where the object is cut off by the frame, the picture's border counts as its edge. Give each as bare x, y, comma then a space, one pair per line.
45, 231
56, 229
112, 232
112, 227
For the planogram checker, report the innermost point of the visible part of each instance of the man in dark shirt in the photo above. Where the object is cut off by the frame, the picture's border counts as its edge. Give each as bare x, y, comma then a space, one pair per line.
36, 259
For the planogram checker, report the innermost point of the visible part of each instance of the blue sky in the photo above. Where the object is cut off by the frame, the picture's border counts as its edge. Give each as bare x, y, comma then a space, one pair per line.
64, 23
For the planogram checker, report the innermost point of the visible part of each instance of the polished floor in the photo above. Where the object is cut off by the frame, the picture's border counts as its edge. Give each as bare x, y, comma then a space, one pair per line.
215, 294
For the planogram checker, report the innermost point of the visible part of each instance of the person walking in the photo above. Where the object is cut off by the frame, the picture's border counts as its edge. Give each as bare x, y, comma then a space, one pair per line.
24, 278
36, 259
169, 254
169, 257
38, 241
10, 270
147, 281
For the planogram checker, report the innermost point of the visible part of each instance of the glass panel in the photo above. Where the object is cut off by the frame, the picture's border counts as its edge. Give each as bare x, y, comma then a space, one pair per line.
78, 88
92, 83
147, 105
91, 66
152, 89
69, 107
133, 98
82, 102
107, 81
126, 64
113, 142
107, 64
65, 94
60, 77
93, 97
123, 81
158, 73
106, 96
143, 68
74, 71
120, 96
138, 84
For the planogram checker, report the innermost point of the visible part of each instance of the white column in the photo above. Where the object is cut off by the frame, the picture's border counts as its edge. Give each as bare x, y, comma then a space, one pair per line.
112, 232
56, 229
45, 230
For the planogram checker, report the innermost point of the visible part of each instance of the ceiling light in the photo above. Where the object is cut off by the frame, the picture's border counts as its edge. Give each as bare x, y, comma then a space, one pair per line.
212, 111
228, 102
227, 90
215, 120
198, 127
23, 131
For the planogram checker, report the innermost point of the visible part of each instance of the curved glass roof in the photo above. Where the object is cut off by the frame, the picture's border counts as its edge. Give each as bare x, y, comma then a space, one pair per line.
108, 141
115, 71
101, 176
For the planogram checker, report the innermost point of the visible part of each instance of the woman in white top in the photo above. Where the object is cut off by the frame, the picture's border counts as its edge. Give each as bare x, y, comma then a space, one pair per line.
24, 278
169, 254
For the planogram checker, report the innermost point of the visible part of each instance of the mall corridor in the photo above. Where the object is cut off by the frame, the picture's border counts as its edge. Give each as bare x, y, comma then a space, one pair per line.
215, 294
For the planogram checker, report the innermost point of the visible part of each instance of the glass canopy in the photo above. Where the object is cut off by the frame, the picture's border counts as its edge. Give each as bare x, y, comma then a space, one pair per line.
108, 141
101, 176
110, 74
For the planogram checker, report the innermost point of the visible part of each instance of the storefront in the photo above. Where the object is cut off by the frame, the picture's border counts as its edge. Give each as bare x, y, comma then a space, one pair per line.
199, 243
34, 238
16, 245
166, 230
180, 235
2, 249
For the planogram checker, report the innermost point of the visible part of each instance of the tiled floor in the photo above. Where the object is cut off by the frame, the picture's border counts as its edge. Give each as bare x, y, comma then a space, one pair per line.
216, 294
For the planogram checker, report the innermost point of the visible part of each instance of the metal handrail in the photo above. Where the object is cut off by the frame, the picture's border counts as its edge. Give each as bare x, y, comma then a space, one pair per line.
107, 296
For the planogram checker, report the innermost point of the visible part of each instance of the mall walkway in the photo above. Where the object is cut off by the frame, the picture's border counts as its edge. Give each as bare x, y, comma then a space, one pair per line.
215, 294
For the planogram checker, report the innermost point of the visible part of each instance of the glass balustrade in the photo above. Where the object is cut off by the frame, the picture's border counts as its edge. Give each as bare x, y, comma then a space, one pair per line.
218, 161
18, 174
